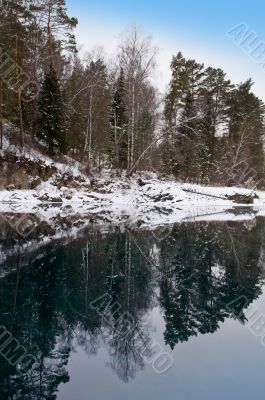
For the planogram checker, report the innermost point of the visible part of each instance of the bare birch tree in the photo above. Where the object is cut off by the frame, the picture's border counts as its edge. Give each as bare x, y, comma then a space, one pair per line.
137, 58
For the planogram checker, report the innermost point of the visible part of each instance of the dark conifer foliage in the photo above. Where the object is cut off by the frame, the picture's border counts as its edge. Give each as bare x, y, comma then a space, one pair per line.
213, 129
51, 126
119, 123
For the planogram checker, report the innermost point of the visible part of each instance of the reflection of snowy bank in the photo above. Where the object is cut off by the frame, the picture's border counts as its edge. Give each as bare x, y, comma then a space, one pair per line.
23, 233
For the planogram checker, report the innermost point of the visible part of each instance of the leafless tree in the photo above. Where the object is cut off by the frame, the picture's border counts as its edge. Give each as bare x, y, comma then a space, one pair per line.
137, 57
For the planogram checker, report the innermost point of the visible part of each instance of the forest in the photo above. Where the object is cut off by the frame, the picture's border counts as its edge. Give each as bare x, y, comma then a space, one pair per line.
108, 113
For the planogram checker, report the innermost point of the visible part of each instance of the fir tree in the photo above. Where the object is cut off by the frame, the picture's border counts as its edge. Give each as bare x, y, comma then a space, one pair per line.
51, 125
15, 18
119, 123
75, 118
246, 133
181, 115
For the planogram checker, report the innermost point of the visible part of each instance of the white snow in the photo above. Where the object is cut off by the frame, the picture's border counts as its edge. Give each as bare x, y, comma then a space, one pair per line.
156, 203
122, 200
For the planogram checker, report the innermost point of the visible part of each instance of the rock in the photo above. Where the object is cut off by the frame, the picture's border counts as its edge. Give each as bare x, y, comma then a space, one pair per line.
242, 198
34, 182
68, 180
68, 195
92, 182
44, 197
50, 199
163, 197
68, 207
10, 187
141, 182
55, 199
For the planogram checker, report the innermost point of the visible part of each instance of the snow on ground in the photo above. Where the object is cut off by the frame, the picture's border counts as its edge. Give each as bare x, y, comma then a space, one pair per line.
116, 199
54, 212
69, 166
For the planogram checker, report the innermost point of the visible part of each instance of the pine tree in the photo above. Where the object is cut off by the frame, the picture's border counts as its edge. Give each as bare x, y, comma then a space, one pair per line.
119, 124
181, 115
15, 18
73, 91
51, 120
186, 136
56, 24
173, 104
214, 108
246, 131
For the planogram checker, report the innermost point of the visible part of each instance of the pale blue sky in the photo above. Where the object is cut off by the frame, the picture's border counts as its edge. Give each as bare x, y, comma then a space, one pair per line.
195, 27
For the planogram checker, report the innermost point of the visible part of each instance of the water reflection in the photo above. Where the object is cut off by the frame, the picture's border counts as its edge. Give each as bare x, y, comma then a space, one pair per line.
191, 275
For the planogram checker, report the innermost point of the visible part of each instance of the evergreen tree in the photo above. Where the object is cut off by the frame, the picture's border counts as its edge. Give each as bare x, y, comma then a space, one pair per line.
75, 118
51, 120
57, 25
119, 123
15, 20
246, 131
214, 121
182, 115
186, 136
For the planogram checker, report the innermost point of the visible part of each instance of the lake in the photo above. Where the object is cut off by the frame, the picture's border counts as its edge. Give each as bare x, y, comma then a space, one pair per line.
114, 312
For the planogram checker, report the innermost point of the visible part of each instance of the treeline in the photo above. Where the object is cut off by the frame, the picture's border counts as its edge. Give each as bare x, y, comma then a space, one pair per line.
213, 129
110, 114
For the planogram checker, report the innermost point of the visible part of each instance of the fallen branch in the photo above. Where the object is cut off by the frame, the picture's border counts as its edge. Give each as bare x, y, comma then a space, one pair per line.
203, 194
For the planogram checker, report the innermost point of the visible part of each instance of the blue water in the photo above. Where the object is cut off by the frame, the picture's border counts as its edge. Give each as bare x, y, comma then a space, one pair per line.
97, 311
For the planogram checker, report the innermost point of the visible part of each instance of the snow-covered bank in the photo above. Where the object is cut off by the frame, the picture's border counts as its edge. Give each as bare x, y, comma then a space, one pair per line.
147, 200
149, 203
49, 214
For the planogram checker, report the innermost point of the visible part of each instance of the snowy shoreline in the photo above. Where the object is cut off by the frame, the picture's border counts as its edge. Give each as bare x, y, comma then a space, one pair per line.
152, 204
144, 200
115, 205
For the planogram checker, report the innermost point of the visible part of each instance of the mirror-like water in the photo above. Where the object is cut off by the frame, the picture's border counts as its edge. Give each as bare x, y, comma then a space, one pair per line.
114, 314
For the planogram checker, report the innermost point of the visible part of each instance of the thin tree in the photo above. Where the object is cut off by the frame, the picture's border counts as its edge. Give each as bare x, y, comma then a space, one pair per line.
137, 59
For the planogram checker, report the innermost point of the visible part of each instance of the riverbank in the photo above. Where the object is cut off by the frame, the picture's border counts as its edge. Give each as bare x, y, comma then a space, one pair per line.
33, 183
147, 201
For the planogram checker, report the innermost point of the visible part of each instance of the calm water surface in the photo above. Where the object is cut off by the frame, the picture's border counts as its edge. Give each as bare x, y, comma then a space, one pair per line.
97, 311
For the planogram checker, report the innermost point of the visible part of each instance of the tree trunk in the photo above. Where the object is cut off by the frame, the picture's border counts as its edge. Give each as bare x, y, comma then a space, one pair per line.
116, 141
1, 112
133, 126
19, 100
50, 35
90, 129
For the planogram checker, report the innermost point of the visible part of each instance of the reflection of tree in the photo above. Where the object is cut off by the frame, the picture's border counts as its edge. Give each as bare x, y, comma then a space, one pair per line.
127, 350
36, 324
128, 284
47, 307
200, 269
206, 267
